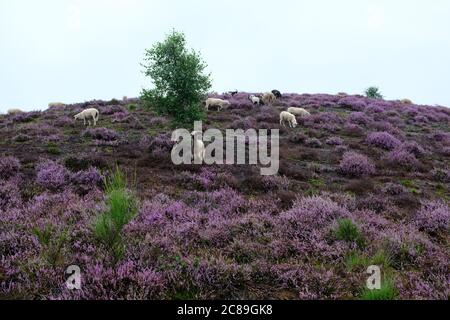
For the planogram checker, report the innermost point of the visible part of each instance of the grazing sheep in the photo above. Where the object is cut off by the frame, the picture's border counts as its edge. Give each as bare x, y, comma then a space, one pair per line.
255, 100
277, 94
289, 118
231, 93
268, 98
14, 111
199, 148
217, 102
56, 105
299, 112
87, 114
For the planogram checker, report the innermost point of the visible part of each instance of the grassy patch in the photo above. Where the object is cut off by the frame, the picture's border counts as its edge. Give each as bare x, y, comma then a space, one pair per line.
347, 230
386, 292
121, 208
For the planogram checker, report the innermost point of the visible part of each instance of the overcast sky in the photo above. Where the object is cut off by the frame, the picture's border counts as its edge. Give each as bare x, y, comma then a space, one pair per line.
77, 50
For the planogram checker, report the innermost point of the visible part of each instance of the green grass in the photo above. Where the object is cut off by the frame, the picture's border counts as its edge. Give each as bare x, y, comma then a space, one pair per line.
121, 208
387, 291
53, 148
348, 231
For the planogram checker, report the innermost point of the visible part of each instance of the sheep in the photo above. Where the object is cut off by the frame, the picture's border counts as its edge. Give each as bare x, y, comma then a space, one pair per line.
231, 93
289, 118
56, 105
277, 94
217, 102
268, 98
14, 111
199, 148
87, 114
255, 100
299, 112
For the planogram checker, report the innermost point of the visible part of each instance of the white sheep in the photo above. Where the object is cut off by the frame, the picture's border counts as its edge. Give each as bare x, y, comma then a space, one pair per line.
255, 100
87, 114
217, 102
268, 98
289, 118
14, 111
299, 112
199, 148
56, 105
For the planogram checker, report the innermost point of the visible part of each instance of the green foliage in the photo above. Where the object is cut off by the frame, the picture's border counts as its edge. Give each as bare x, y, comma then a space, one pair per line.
374, 93
348, 231
121, 208
387, 291
52, 243
132, 107
53, 148
180, 83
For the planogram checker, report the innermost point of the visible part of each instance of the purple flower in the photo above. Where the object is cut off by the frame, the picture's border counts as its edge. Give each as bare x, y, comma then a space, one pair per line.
433, 217
383, 140
51, 175
356, 165
9, 167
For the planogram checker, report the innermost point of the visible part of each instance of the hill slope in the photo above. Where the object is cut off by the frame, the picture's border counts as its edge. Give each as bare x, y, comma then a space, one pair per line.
362, 182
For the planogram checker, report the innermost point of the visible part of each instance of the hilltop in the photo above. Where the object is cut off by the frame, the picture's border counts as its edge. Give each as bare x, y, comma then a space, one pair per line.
361, 182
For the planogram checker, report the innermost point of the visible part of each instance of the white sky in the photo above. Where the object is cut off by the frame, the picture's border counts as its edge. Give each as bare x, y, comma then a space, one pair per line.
77, 50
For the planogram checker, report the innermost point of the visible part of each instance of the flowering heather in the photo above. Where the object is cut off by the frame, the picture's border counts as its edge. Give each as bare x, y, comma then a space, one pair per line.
359, 118
354, 103
383, 140
51, 175
402, 158
356, 165
9, 167
224, 231
433, 217
335, 141
104, 134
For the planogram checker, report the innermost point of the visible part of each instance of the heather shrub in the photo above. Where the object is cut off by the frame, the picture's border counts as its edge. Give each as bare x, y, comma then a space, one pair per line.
383, 140
402, 158
313, 143
393, 189
441, 175
353, 129
359, 118
373, 93
335, 141
159, 146
356, 165
51, 175
276, 183
9, 167
86, 180
433, 217
103, 134
353, 103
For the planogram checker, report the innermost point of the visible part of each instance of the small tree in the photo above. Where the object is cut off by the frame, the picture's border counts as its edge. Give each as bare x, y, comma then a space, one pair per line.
374, 93
180, 83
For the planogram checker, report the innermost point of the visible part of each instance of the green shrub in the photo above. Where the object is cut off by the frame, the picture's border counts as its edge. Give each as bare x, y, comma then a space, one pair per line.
374, 93
387, 292
348, 231
179, 81
121, 208
132, 107
52, 243
53, 148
